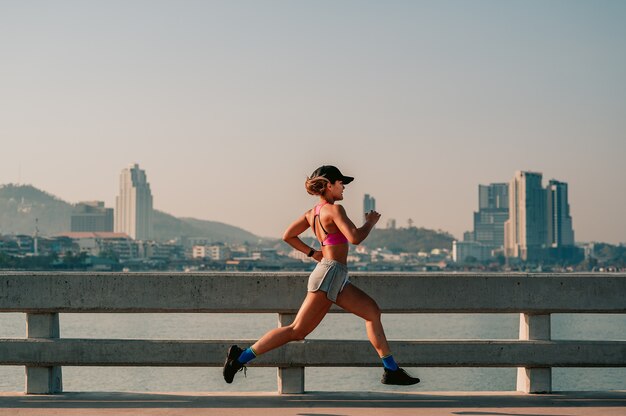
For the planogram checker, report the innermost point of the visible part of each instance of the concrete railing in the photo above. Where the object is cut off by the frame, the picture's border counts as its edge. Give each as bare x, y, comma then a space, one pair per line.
535, 296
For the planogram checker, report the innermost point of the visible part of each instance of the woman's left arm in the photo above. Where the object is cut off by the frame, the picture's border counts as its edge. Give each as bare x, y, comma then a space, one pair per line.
292, 233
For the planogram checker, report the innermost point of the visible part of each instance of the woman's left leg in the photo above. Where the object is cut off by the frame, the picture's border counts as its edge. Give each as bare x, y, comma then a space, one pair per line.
310, 314
354, 300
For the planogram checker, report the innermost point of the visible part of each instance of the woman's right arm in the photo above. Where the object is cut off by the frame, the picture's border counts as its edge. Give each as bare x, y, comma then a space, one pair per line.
291, 237
346, 226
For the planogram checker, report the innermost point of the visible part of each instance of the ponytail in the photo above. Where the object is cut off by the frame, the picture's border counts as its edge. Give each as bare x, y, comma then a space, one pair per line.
316, 185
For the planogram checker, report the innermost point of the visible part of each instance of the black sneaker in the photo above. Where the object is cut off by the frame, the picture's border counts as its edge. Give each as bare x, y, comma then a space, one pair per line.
398, 377
231, 365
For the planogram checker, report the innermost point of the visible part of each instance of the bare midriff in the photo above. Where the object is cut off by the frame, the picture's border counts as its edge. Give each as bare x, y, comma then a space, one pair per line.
337, 252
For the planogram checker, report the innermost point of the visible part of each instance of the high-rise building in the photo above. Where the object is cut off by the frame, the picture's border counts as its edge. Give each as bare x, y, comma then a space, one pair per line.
559, 221
133, 205
369, 203
493, 211
91, 216
525, 230
540, 224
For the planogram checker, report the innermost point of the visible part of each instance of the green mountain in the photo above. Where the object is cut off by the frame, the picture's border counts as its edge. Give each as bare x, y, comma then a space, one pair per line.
409, 240
167, 227
24, 207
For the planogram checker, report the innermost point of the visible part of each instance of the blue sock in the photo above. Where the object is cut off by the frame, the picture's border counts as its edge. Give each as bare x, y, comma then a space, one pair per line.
390, 363
246, 356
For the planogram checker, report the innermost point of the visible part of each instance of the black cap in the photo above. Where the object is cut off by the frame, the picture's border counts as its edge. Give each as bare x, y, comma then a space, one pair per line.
332, 174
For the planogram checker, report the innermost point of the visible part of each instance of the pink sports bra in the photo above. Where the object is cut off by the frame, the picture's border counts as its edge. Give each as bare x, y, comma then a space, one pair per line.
331, 239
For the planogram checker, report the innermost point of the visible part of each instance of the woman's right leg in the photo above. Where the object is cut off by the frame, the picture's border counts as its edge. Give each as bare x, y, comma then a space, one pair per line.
361, 304
311, 313
354, 300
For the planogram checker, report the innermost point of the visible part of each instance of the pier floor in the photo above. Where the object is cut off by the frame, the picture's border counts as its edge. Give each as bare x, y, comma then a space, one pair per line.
316, 403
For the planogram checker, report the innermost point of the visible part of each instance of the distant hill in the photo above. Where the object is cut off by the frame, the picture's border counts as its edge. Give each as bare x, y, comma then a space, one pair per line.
167, 227
20, 205
409, 240
604, 253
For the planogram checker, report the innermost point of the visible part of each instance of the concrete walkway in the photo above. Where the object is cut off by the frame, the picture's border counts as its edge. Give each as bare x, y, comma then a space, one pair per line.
316, 403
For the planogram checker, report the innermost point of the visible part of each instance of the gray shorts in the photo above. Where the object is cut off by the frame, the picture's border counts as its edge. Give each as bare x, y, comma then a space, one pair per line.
329, 276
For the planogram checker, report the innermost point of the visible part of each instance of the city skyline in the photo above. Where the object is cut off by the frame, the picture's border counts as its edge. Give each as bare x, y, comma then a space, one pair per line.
494, 202
490, 197
230, 105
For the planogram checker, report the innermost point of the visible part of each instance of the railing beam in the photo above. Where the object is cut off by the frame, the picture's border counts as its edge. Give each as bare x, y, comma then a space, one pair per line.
290, 379
42, 379
534, 379
312, 353
54, 292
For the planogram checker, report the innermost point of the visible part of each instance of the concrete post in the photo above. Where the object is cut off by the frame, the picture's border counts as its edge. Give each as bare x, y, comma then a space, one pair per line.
290, 379
534, 380
43, 380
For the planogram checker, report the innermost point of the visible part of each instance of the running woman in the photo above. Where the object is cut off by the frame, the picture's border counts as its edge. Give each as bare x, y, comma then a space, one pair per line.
328, 283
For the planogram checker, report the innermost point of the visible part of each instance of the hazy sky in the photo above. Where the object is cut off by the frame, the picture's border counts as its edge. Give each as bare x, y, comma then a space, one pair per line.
229, 105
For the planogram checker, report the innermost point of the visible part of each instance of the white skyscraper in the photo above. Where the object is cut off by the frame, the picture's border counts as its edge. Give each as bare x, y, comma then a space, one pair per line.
133, 205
